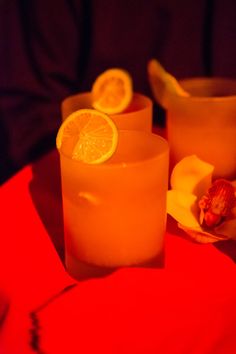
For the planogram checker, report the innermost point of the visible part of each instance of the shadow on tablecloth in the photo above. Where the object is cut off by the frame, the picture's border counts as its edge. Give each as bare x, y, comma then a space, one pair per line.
45, 190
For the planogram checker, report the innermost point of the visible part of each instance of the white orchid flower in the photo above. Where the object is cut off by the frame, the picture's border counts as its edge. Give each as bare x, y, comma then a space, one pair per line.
204, 209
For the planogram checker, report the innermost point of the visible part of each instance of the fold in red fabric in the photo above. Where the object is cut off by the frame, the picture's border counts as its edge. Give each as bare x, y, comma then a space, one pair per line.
143, 311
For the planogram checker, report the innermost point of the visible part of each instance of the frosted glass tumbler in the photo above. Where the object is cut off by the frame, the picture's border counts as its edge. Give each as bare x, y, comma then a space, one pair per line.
205, 124
137, 116
115, 212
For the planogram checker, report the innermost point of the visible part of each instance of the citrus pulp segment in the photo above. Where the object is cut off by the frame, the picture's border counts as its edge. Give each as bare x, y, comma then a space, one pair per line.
112, 91
88, 135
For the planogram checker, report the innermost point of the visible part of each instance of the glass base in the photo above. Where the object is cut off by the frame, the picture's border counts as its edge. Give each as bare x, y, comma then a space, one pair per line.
81, 270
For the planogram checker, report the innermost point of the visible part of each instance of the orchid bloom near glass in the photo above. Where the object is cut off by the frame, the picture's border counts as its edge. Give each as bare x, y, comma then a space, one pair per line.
204, 208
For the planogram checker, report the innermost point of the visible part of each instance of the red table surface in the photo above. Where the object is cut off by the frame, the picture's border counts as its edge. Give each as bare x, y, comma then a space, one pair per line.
188, 306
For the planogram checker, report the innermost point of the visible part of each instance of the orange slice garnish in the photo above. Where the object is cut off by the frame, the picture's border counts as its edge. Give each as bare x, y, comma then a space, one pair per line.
112, 91
163, 84
88, 136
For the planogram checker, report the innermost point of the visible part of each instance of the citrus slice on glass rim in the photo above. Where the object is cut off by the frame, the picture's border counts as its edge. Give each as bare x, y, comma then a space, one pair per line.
112, 91
88, 135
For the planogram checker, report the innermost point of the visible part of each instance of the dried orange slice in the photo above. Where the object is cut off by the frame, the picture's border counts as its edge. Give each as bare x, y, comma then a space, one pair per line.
112, 91
88, 135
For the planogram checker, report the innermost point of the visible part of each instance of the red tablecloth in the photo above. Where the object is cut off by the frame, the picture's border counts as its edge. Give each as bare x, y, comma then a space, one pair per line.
189, 306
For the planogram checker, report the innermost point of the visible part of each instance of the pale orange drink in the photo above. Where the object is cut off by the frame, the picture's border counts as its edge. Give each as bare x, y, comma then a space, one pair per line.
115, 210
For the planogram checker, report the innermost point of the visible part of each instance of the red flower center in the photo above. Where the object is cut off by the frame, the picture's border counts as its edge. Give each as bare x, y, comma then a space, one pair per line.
218, 203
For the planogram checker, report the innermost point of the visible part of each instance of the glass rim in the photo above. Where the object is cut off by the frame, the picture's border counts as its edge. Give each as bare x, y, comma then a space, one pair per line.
112, 165
203, 81
147, 99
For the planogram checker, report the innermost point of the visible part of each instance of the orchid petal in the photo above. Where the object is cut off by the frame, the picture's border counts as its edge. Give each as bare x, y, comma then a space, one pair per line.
201, 236
192, 175
183, 207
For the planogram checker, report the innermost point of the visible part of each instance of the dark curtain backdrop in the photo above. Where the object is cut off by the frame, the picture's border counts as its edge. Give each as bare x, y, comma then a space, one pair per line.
52, 48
